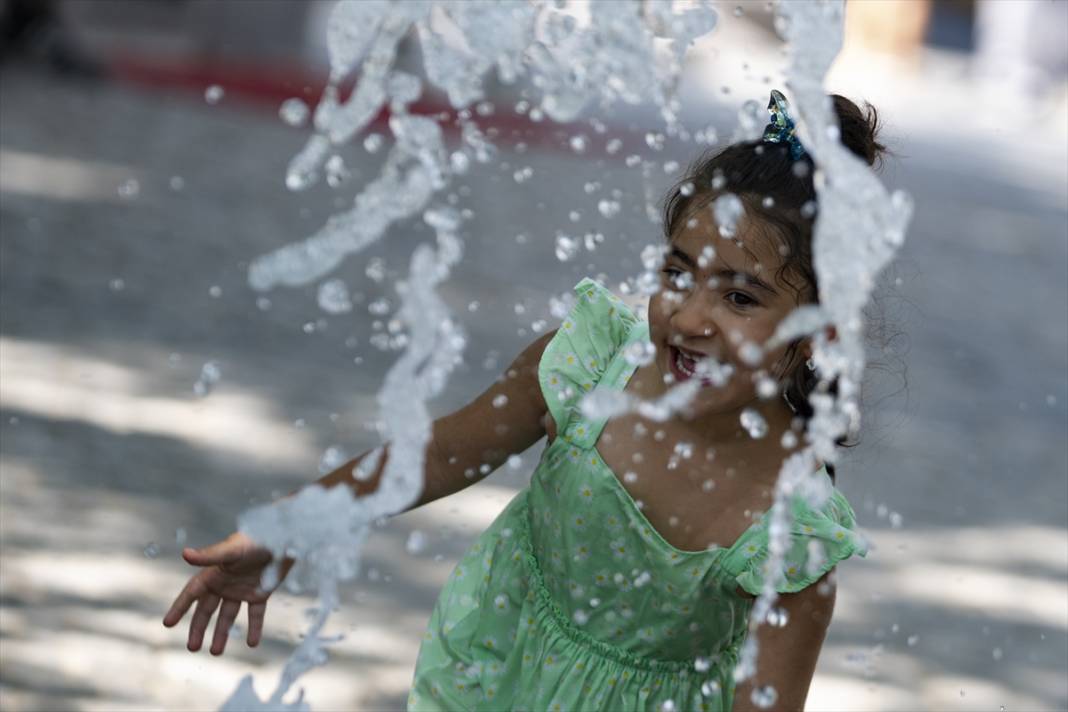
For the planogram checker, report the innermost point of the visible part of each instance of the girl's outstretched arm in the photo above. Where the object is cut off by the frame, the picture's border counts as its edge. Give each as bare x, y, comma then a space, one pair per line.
465, 446
788, 655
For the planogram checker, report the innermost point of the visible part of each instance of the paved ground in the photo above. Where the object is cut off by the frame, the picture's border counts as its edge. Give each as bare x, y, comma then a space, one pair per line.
105, 448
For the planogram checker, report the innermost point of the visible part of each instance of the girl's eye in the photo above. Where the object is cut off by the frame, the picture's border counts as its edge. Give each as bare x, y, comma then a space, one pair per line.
677, 278
746, 300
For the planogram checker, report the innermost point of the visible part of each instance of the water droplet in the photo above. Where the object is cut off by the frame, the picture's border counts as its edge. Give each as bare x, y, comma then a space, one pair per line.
728, 210
379, 307
376, 269
764, 696
654, 140
209, 376
416, 542
180, 537
566, 248
366, 467
767, 387
336, 171
640, 353
686, 189
372, 142
117, 285
670, 167
500, 400
581, 617
768, 202
751, 120
613, 146
263, 303
633, 160
151, 550
754, 423
574, 216
293, 111
523, 174
177, 183
332, 458
214, 94
514, 462
708, 485
782, 26
578, 143
215, 291
608, 208
750, 353
778, 617
459, 162
668, 706
912, 640
684, 450
896, 520
789, 440
997, 655
129, 189
701, 664
710, 688
334, 297
738, 11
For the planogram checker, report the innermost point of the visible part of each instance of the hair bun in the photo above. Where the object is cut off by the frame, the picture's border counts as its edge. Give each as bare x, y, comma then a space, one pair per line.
859, 130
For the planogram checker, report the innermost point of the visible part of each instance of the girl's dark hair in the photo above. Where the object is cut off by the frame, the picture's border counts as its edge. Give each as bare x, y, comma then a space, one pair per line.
756, 171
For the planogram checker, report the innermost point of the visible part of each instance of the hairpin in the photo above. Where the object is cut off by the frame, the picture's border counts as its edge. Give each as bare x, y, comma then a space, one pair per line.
782, 128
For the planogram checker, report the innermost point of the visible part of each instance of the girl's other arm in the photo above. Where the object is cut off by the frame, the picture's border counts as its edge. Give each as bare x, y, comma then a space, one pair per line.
470, 443
787, 656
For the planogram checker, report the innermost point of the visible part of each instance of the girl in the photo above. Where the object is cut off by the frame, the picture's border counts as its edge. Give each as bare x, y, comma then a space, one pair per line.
622, 577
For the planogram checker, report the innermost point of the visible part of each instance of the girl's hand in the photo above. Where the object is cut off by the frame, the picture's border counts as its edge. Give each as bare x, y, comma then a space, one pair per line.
234, 568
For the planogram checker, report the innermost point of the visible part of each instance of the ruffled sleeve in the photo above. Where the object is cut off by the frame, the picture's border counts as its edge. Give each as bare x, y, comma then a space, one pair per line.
819, 539
577, 357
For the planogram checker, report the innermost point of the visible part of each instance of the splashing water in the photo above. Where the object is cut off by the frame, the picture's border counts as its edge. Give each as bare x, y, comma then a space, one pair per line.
609, 59
858, 229
728, 210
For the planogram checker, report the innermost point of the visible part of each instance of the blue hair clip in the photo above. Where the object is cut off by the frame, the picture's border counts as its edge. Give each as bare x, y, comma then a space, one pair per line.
782, 128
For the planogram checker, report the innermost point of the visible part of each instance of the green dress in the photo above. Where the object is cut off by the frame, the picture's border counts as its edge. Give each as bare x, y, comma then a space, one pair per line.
571, 600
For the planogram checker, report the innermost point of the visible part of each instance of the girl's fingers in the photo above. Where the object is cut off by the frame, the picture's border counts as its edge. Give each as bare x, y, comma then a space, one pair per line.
201, 618
227, 614
192, 590
256, 612
226, 551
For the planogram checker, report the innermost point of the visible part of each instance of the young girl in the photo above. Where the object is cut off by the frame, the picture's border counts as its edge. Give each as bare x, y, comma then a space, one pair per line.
623, 576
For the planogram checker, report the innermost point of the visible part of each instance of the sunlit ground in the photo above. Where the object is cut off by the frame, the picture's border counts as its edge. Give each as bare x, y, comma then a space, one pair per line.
105, 452
82, 601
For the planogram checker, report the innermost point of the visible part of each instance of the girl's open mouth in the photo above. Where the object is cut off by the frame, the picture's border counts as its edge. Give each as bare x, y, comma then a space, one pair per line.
684, 366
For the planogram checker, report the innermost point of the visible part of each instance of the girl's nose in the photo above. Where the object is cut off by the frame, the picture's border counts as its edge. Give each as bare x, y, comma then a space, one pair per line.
692, 318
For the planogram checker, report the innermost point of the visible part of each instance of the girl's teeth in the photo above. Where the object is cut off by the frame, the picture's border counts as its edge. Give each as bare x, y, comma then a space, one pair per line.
685, 364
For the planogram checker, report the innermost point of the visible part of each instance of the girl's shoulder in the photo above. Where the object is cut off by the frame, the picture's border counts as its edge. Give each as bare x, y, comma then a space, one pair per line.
821, 535
583, 352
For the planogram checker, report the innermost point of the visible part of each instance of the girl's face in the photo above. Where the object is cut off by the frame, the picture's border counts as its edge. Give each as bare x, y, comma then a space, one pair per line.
723, 303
